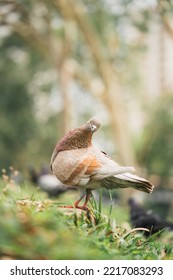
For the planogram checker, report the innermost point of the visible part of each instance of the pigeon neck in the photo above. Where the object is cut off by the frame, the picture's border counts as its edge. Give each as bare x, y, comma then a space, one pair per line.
75, 141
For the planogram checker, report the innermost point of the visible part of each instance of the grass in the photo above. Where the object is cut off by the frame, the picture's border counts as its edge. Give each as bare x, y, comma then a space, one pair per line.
33, 227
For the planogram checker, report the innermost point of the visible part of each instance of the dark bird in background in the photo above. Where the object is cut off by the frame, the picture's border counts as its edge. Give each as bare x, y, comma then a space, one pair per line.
47, 181
75, 161
140, 217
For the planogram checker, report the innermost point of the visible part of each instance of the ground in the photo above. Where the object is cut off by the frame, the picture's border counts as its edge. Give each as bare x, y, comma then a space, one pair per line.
34, 227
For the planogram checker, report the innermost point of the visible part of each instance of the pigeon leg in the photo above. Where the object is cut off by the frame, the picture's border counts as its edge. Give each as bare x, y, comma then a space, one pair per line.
76, 204
88, 196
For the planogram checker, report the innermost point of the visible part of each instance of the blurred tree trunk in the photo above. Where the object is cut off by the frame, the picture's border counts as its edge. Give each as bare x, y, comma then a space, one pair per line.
65, 79
66, 76
161, 59
55, 52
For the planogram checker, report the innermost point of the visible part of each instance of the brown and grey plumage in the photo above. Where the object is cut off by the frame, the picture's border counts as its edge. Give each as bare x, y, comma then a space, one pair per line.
75, 161
47, 182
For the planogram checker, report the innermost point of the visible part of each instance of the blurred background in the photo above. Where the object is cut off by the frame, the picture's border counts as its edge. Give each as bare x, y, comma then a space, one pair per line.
63, 61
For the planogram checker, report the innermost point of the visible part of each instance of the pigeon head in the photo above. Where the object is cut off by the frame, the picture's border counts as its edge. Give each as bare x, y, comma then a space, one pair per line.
80, 137
92, 125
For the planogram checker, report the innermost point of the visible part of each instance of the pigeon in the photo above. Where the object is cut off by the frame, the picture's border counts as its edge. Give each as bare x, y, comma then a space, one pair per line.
48, 182
76, 161
143, 218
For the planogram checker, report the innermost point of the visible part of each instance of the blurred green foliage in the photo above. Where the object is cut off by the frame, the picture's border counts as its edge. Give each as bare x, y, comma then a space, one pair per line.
22, 135
17, 123
156, 150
